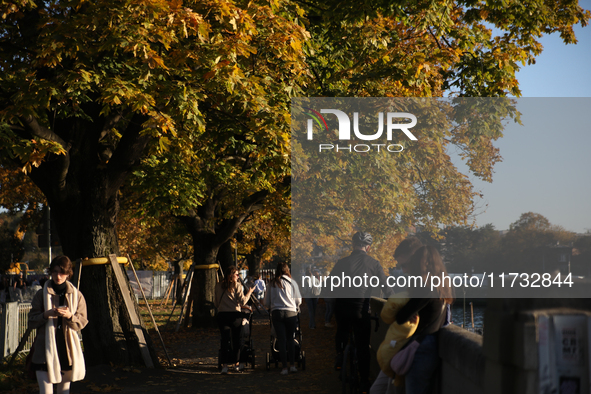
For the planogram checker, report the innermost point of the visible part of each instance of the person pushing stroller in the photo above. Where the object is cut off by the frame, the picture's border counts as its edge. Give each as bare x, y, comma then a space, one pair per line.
229, 299
283, 299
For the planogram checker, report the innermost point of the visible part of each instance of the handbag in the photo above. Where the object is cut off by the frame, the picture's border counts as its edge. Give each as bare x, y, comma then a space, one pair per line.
402, 360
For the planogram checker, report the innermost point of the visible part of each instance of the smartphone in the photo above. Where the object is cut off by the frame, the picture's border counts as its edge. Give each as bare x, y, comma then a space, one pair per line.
62, 307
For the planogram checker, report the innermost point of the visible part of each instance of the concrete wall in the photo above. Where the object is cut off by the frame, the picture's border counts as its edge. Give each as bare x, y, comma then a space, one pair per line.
462, 361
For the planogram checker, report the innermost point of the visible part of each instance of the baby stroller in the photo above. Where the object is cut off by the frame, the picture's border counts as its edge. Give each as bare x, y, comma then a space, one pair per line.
299, 356
247, 355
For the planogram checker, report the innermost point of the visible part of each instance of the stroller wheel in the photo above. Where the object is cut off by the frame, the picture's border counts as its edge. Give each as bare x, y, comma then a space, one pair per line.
303, 361
268, 362
252, 359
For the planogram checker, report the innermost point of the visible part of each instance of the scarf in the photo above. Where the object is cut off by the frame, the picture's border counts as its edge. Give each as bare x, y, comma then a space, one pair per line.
72, 340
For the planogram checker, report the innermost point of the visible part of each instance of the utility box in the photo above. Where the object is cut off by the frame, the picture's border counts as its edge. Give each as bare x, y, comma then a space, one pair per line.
563, 349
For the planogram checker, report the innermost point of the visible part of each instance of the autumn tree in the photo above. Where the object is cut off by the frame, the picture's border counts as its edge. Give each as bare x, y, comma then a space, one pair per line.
421, 48
524, 246
383, 192
412, 49
469, 249
265, 235
219, 178
11, 245
88, 89
151, 242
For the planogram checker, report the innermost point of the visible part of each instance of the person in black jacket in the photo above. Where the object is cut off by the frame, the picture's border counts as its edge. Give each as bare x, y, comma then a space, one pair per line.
352, 301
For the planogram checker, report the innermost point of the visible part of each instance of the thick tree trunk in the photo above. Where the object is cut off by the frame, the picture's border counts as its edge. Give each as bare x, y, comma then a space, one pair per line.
204, 282
254, 263
86, 228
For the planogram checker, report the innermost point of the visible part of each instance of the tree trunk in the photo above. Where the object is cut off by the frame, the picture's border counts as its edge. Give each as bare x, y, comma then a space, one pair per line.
208, 237
204, 282
255, 257
226, 255
178, 273
86, 228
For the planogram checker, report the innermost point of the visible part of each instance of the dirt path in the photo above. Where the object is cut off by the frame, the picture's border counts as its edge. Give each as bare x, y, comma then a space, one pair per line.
194, 351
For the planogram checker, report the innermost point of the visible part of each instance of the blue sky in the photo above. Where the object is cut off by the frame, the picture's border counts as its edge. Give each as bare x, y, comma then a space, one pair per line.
546, 164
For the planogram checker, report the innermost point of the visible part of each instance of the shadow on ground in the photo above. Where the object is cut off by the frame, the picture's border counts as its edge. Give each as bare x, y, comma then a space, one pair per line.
194, 353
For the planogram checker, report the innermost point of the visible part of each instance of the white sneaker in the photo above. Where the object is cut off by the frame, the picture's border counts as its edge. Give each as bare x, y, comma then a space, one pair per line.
284, 371
293, 369
224, 370
241, 366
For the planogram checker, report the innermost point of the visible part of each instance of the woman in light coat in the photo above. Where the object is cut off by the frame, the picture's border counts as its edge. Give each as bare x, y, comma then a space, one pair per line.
229, 298
57, 312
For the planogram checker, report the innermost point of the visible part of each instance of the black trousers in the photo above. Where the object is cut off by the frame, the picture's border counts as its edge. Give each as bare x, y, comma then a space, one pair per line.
360, 323
285, 323
230, 324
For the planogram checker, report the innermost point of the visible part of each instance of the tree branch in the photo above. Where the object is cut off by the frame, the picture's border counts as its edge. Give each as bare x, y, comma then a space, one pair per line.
110, 122
128, 152
32, 126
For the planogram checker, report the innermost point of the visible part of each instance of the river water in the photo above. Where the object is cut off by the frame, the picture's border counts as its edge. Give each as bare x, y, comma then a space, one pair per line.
458, 316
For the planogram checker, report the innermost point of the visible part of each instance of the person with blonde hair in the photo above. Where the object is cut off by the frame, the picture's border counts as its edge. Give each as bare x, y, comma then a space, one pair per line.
57, 312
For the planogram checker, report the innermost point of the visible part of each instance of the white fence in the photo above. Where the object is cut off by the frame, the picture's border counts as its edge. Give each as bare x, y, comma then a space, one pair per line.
13, 324
154, 283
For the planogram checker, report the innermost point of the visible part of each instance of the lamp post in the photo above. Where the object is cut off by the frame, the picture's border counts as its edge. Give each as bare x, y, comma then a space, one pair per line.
49, 235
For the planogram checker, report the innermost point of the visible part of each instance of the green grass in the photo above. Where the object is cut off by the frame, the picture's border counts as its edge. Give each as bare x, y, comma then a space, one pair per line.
160, 313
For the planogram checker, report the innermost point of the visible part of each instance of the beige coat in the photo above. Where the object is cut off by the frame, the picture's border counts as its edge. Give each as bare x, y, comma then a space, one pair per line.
36, 320
231, 299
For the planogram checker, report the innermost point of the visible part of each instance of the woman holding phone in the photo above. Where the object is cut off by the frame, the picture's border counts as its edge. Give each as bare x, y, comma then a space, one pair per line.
229, 298
57, 311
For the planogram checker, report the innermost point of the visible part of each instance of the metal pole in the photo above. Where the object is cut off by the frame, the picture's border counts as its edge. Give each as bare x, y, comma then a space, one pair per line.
149, 310
49, 234
464, 314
